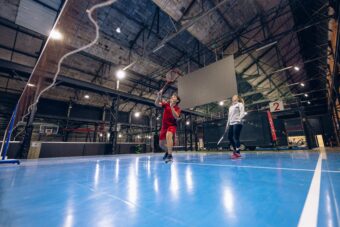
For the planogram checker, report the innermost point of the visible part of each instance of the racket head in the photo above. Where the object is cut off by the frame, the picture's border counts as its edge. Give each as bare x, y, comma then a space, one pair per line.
172, 75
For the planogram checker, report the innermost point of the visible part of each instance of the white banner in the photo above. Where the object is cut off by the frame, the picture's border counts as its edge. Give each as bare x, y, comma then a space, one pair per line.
212, 83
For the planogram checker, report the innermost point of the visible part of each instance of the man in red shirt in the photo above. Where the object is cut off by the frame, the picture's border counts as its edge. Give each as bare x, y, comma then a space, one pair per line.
169, 123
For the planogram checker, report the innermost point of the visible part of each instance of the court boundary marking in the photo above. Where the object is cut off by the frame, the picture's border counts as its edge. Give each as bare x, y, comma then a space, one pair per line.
310, 213
247, 166
75, 159
129, 203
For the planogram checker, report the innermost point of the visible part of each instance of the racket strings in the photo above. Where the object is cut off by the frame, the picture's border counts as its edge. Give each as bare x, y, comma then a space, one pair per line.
170, 76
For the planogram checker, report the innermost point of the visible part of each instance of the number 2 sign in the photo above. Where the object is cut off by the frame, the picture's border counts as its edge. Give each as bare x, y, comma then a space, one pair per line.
276, 106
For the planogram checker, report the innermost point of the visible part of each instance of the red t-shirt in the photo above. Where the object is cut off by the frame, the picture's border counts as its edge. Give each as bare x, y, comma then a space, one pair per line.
168, 118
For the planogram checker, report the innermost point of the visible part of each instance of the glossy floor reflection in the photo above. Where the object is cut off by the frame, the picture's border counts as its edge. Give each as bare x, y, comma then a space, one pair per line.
263, 189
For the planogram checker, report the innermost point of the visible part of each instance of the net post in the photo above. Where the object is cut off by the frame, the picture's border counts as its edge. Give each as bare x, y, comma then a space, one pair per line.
5, 145
114, 125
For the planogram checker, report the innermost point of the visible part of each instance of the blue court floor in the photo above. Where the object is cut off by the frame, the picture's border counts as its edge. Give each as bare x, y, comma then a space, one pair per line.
197, 189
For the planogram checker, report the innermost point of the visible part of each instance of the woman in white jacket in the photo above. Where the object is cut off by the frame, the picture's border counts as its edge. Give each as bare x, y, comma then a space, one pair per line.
234, 124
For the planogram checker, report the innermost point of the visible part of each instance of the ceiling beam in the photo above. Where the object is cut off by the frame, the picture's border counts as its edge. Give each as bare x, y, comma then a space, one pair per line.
83, 85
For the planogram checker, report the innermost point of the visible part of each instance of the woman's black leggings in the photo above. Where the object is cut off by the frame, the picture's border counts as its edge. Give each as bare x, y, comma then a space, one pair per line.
234, 132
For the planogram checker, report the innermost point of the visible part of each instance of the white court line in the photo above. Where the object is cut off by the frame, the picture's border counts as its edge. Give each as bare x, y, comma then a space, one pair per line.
330, 171
309, 215
239, 166
85, 159
132, 204
56, 161
257, 167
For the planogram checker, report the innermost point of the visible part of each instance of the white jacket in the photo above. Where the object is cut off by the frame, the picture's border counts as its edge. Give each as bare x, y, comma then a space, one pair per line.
236, 114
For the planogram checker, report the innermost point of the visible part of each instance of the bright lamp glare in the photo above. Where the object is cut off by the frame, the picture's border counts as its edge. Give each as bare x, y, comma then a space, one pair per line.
118, 30
302, 84
120, 136
120, 74
137, 114
221, 103
86, 96
56, 35
309, 102
30, 85
187, 123
306, 95
296, 68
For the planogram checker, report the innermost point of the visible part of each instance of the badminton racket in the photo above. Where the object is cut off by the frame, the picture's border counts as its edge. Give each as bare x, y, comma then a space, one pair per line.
225, 131
171, 77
